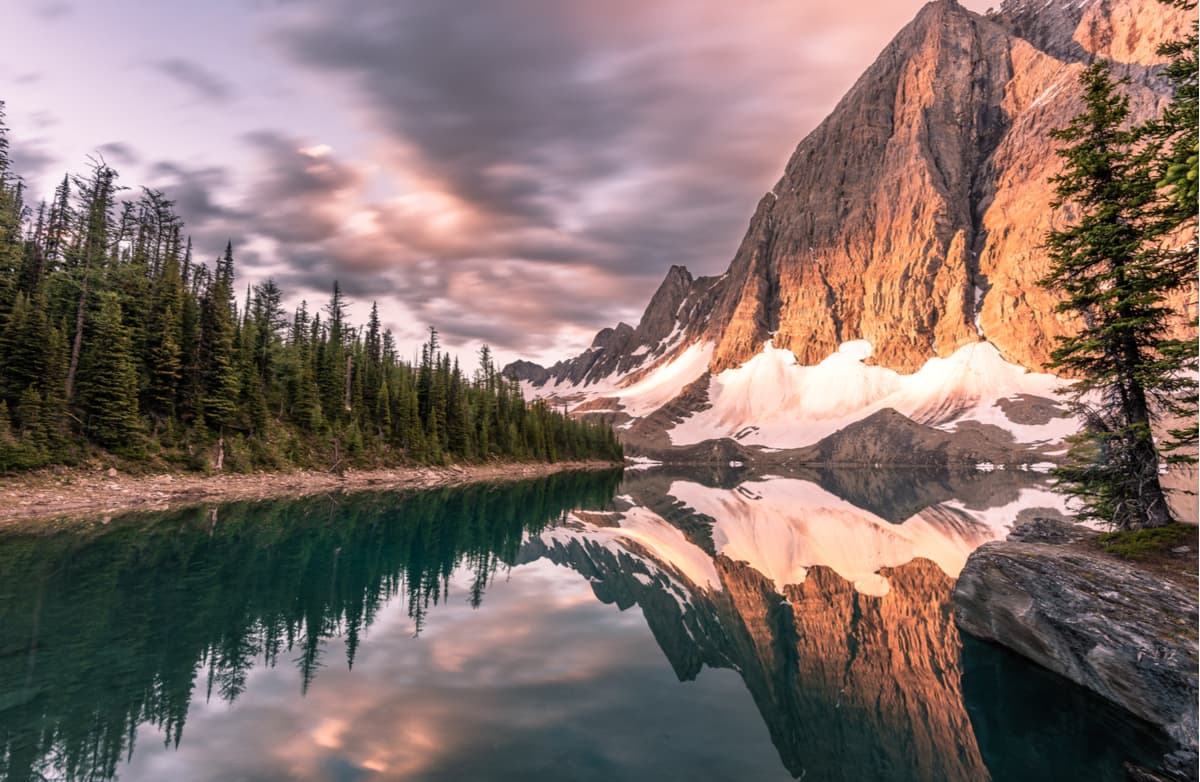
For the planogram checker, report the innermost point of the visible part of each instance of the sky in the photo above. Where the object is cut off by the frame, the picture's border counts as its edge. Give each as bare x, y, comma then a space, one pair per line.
515, 172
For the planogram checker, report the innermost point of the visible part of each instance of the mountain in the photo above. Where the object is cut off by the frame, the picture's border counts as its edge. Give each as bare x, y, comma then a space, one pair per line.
894, 265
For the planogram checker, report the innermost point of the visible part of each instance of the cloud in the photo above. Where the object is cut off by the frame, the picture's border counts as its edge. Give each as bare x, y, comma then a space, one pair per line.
201, 81
613, 139
119, 153
30, 159
522, 172
53, 10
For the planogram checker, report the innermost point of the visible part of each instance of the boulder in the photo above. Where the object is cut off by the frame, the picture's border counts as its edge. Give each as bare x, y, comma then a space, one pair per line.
1107, 624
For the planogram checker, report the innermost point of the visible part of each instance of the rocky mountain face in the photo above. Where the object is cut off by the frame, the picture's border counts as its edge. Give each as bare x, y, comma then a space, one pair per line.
677, 308
913, 216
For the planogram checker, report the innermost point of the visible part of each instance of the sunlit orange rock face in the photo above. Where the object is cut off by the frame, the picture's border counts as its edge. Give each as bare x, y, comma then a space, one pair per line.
927, 183
915, 215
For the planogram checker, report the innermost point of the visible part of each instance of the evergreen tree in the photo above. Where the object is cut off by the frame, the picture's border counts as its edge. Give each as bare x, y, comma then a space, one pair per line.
221, 380
10, 450
30, 417
383, 411
22, 348
331, 367
1112, 279
1175, 132
54, 408
1174, 148
109, 387
106, 321
90, 252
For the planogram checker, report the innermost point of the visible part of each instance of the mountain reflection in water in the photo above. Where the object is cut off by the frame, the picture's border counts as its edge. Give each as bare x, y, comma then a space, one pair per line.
282, 635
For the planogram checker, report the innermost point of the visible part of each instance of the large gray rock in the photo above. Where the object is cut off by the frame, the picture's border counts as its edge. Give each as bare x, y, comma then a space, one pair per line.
1109, 625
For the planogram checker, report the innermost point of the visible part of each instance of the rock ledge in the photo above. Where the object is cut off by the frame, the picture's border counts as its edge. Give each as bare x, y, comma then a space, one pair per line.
1104, 623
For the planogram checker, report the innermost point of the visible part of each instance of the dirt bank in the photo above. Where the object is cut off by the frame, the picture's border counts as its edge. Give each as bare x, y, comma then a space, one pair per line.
70, 494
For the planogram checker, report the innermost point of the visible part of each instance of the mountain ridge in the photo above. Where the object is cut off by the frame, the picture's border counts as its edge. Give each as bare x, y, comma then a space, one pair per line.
910, 219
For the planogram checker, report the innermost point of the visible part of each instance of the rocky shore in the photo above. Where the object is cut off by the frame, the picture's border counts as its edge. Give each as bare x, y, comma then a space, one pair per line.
1123, 629
68, 494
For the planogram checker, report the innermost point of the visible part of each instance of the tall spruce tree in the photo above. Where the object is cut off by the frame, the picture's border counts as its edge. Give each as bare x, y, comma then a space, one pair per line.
221, 379
108, 384
1110, 275
1176, 131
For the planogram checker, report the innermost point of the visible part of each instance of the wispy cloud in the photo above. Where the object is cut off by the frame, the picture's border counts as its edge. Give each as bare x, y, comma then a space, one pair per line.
53, 10
203, 82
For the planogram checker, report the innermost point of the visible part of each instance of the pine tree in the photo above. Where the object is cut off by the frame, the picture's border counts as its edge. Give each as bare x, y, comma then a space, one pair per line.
54, 409
98, 195
109, 382
383, 411
22, 348
307, 408
30, 417
1112, 280
10, 451
1174, 148
10, 221
331, 367
1176, 131
221, 380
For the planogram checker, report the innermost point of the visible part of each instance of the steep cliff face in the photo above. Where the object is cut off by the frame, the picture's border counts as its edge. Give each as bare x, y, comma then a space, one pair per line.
870, 232
911, 220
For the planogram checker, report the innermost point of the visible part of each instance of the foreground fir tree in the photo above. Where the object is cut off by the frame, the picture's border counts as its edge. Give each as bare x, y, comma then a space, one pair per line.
1174, 149
1114, 276
1176, 131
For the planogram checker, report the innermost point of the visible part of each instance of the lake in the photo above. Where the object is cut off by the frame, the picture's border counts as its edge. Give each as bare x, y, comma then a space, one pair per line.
657, 625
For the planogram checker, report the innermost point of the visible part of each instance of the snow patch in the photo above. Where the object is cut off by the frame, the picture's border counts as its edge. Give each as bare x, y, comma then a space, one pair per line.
664, 383
774, 401
978, 305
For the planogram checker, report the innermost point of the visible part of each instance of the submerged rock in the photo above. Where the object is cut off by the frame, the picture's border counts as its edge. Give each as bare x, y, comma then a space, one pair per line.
1113, 627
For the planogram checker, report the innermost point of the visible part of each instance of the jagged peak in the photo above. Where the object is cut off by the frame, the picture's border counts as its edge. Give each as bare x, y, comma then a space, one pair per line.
677, 272
1033, 6
935, 11
1122, 31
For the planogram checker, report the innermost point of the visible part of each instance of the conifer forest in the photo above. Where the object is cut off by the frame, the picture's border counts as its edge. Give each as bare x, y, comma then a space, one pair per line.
117, 339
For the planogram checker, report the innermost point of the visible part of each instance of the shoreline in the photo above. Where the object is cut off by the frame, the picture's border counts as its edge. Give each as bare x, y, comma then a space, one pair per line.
49, 496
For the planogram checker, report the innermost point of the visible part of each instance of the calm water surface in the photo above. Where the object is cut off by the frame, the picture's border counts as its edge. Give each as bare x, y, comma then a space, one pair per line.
655, 626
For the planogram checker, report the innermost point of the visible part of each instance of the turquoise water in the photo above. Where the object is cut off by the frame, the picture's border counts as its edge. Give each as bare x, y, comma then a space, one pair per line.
581, 627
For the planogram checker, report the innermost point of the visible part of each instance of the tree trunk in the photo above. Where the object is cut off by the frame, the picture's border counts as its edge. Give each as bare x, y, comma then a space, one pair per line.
77, 345
1153, 510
